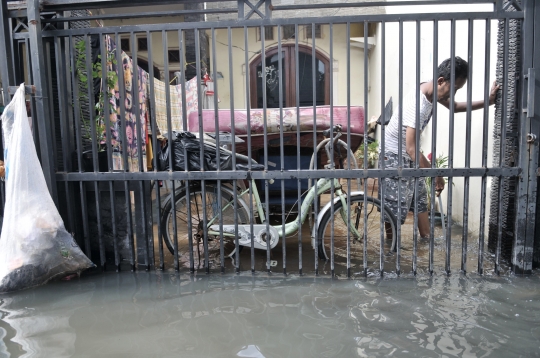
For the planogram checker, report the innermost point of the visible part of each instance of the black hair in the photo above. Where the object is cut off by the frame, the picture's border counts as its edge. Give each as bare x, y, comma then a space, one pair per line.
461, 68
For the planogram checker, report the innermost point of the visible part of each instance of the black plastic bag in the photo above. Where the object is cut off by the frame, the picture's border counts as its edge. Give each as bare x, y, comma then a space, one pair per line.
192, 146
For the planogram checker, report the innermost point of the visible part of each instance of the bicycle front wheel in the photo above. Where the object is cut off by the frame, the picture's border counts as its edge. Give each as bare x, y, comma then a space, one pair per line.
212, 206
366, 219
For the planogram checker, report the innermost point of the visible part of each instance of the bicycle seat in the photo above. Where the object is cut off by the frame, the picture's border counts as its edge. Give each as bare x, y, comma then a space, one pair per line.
254, 167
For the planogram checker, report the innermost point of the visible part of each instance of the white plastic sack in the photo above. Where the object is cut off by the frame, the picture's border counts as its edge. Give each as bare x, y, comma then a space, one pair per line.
34, 245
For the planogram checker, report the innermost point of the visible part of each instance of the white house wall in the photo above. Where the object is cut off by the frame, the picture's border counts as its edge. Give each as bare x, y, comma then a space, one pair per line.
426, 74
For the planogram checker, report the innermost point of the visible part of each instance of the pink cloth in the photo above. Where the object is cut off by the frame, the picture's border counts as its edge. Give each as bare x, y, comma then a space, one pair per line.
290, 120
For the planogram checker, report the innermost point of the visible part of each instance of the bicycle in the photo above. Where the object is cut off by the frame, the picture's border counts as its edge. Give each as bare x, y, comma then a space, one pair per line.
213, 219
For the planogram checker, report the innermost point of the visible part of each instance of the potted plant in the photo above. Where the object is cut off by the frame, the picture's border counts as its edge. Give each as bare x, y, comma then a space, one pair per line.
372, 153
440, 162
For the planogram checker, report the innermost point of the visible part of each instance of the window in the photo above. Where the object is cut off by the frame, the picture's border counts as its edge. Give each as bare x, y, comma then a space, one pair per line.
124, 45
174, 56
142, 44
268, 33
288, 32
309, 31
286, 63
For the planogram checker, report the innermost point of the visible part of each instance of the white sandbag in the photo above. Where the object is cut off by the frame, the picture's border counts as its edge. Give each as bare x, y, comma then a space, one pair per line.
34, 245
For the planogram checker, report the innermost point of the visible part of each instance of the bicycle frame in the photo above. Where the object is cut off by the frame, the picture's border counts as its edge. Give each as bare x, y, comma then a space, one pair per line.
323, 185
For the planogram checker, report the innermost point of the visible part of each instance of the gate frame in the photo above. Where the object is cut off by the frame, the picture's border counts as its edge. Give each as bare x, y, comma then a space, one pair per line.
527, 170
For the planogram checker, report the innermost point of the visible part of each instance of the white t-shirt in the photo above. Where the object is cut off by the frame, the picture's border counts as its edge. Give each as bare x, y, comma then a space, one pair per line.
409, 120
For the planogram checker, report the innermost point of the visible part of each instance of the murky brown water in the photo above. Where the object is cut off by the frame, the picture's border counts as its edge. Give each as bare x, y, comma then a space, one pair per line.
168, 315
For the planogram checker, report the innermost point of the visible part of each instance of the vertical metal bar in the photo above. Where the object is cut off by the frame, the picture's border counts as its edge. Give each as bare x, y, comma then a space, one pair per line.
250, 182
233, 137
467, 152
383, 81
365, 144
123, 122
201, 139
6, 73
185, 127
44, 122
139, 124
502, 148
416, 149
265, 136
527, 217
434, 141
314, 93
216, 117
282, 151
485, 139
93, 135
331, 159
59, 50
400, 148
298, 136
153, 125
78, 140
349, 164
165, 43
451, 142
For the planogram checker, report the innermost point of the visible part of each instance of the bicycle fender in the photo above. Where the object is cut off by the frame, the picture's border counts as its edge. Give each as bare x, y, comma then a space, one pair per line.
323, 211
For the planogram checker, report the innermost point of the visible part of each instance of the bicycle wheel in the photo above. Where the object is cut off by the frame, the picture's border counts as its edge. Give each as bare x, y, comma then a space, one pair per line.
357, 217
195, 203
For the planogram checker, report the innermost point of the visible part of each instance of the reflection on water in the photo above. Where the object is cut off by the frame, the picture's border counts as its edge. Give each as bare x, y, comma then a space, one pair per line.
165, 314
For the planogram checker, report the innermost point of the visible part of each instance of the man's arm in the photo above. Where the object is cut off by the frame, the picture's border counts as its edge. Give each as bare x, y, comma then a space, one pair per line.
462, 106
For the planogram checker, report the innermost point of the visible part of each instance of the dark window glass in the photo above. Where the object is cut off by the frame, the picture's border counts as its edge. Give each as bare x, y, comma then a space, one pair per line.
124, 45
174, 56
142, 44
268, 33
306, 80
288, 32
271, 82
318, 31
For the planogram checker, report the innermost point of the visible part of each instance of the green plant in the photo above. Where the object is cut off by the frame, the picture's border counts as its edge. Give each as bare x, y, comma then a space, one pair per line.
111, 81
440, 162
372, 154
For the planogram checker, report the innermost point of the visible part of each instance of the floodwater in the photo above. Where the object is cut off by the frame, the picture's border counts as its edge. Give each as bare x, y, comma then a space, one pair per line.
165, 314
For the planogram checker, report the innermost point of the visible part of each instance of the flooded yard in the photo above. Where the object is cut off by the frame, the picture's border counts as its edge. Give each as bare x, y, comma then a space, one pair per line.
164, 314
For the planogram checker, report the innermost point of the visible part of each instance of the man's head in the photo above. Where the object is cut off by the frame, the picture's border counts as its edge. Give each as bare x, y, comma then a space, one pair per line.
444, 72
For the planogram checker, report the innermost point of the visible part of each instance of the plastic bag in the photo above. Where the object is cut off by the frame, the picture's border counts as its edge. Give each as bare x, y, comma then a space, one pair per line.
188, 141
34, 245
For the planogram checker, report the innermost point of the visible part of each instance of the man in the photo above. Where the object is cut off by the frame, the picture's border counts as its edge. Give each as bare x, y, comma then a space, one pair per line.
405, 203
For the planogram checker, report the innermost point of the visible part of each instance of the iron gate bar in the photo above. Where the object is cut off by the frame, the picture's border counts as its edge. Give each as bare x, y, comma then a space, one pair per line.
153, 127
5, 44
41, 97
525, 221
331, 159
316, 164
289, 174
451, 142
298, 159
349, 164
467, 150
265, 134
416, 149
382, 147
434, 144
379, 3
138, 15
282, 151
484, 148
365, 145
282, 21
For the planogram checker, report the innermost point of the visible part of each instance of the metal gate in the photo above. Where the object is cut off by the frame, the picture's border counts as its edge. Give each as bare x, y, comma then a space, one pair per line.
316, 70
